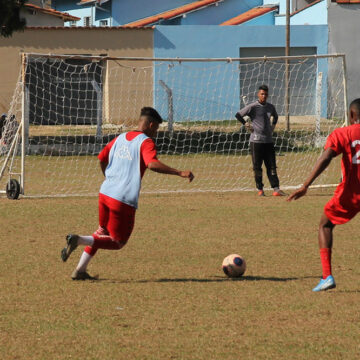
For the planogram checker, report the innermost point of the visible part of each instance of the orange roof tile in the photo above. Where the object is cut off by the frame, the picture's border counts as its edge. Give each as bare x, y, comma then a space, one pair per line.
94, 28
170, 14
100, 2
63, 15
348, 1
248, 15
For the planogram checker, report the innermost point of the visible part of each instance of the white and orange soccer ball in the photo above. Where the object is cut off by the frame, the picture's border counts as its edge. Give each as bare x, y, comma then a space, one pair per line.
234, 265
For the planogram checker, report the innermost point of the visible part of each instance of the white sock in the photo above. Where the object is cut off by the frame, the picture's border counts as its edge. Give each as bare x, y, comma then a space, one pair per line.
276, 189
86, 240
83, 262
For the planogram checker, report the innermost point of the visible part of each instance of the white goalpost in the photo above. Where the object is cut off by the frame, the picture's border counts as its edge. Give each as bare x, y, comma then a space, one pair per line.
65, 109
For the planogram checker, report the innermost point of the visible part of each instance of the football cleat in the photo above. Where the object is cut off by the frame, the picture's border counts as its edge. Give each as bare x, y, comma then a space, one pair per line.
279, 193
325, 284
82, 275
261, 193
72, 244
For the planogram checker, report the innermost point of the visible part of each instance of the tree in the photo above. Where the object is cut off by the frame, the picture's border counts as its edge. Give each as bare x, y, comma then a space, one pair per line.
10, 20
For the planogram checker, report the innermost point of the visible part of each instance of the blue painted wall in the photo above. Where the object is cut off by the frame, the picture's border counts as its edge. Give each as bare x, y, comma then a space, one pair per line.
216, 14
211, 91
65, 5
105, 14
123, 12
81, 11
71, 7
281, 4
314, 15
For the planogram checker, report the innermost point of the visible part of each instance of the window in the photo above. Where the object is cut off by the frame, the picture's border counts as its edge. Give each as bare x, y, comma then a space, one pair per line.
103, 23
87, 21
72, 23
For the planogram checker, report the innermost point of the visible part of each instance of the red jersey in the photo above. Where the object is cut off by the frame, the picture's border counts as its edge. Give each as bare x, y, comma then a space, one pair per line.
346, 141
148, 151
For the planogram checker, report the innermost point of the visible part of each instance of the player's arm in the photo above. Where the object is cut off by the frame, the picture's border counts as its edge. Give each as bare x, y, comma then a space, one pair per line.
244, 112
104, 156
149, 155
322, 163
275, 118
103, 165
161, 168
240, 118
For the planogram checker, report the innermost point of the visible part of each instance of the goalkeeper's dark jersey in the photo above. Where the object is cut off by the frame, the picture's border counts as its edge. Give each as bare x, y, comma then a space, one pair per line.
260, 115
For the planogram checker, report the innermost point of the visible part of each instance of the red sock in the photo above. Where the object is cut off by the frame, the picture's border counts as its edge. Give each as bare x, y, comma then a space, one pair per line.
325, 256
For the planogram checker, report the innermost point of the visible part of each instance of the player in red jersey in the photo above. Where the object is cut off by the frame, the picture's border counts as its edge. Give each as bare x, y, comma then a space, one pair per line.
123, 162
345, 203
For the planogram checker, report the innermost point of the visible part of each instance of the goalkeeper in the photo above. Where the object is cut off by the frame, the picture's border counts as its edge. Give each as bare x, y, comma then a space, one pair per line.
261, 142
123, 162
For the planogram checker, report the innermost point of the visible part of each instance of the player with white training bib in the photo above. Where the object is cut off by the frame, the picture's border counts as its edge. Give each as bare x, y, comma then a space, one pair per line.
123, 162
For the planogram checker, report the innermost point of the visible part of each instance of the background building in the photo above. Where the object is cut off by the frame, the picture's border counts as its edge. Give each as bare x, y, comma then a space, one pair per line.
184, 28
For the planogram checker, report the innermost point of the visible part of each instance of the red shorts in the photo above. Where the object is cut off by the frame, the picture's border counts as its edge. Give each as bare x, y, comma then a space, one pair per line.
339, 214
116, 217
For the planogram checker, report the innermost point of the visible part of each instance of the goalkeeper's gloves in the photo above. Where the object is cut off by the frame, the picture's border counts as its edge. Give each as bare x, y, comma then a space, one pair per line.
249, 127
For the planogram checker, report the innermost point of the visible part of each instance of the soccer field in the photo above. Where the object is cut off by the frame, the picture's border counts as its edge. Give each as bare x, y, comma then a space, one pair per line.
164, 295
81, 175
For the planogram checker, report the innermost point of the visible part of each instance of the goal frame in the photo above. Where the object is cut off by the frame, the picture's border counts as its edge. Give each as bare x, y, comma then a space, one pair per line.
23, 127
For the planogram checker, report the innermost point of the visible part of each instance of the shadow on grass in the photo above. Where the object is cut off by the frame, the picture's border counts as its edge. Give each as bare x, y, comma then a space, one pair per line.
345, 291
207, 280
320, 195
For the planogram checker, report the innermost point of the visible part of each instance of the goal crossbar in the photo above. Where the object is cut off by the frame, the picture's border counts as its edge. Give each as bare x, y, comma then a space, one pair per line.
179, 59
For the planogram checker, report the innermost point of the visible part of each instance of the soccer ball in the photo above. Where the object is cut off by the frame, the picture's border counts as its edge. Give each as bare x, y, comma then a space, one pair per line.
234, 265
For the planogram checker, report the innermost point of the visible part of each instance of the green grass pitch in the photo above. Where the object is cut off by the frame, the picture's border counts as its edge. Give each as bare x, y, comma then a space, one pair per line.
164, 295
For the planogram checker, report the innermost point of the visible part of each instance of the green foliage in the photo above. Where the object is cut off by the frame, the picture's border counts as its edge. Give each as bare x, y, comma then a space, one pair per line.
10, 20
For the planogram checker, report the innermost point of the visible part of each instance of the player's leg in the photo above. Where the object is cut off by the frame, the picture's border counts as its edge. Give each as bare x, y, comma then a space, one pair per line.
80, 273
270, 164
74, 240
257, 160
120, 225
325, 245
335, 213
104, 215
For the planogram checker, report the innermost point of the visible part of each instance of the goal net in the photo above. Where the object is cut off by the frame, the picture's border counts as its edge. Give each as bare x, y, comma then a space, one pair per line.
65, 109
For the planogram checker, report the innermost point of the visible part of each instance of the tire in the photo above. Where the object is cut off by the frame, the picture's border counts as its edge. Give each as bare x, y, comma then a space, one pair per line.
12, 189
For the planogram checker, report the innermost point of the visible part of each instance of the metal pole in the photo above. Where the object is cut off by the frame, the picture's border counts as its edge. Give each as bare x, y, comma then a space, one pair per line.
24, 123
227, 60
318, 108
12, 148
345, 91
287, 77
99, 108
170, 106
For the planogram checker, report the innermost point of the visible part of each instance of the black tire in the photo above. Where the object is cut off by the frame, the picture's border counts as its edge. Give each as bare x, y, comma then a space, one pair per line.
12, 189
